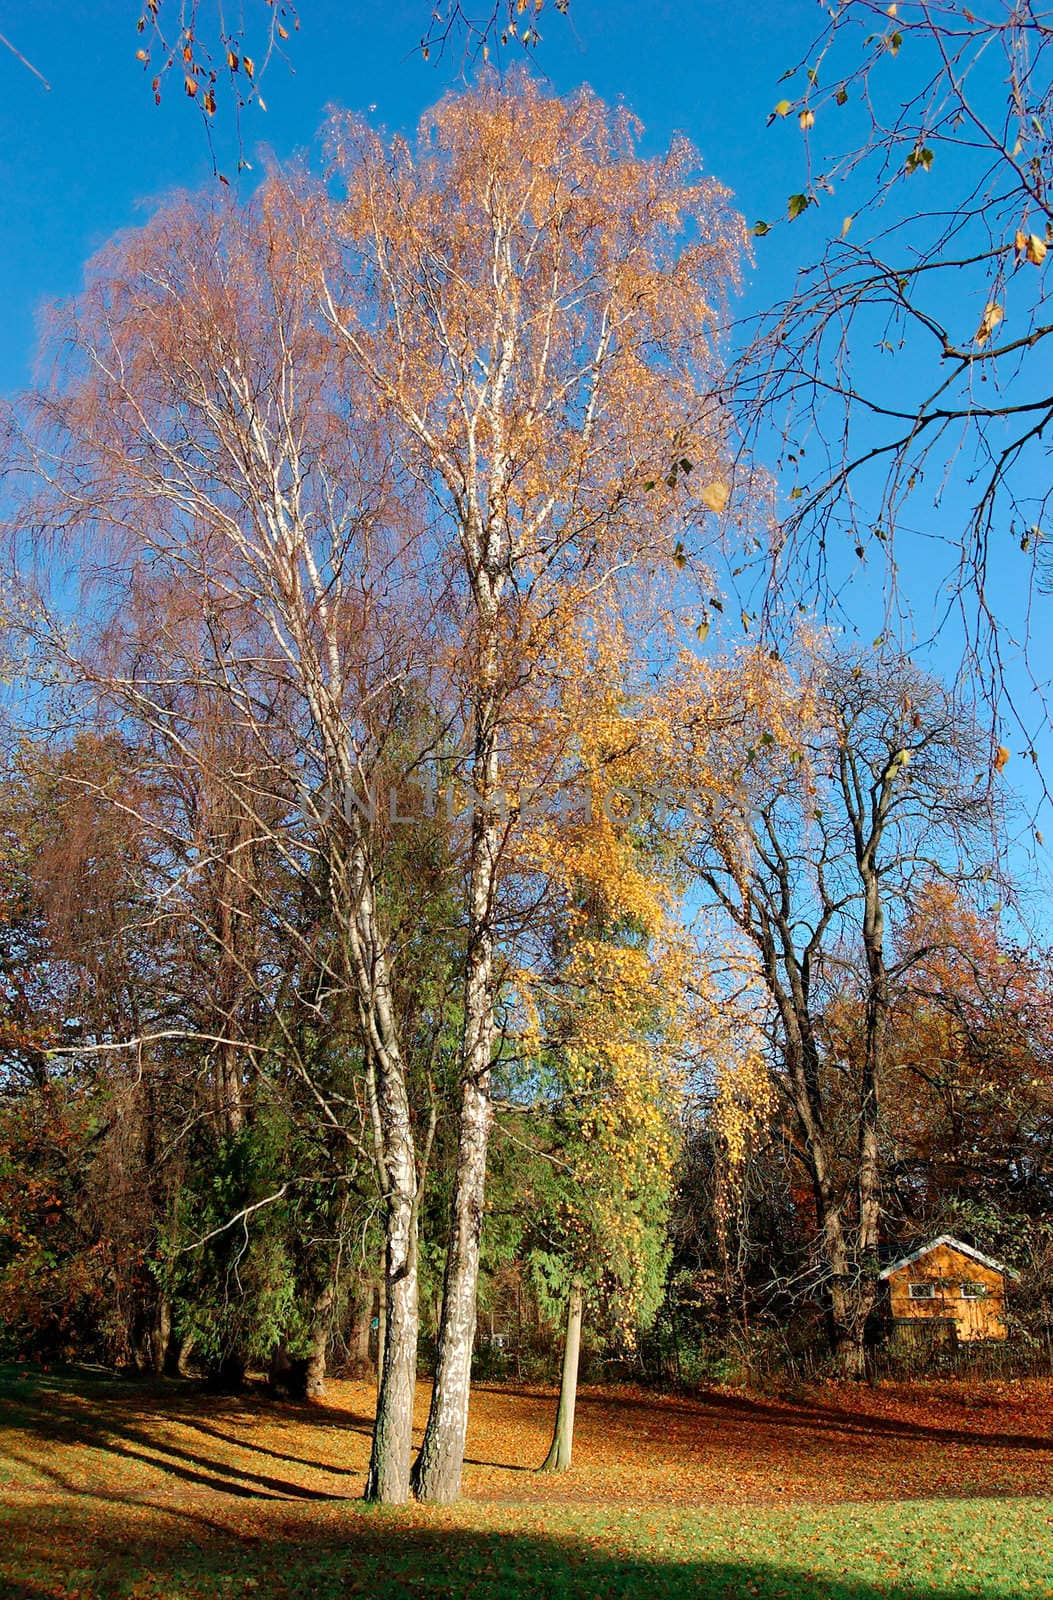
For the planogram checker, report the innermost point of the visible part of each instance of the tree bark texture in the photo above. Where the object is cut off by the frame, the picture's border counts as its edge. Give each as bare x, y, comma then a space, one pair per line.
562, 1447
437, 1473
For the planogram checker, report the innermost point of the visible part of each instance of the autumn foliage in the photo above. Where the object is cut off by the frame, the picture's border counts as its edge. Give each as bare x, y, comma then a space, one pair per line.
407, 814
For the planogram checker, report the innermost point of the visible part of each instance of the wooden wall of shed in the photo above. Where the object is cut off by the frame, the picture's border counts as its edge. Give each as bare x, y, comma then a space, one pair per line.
947, 1269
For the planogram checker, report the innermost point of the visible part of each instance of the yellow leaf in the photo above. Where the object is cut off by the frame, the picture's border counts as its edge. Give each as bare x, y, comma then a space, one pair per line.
1036, 249
989, 321
1000, 758
715, 495
807, 120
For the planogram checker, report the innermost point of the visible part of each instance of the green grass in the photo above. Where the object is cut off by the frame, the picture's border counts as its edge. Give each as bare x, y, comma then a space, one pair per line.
1000, 1548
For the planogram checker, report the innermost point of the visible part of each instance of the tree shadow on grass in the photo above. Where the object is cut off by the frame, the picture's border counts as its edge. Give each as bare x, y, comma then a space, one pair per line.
118, 1417
107, 1423
809, 1416
112, 1498
341, 1417
112, 1421
816, 1417
323, 1417
386, 1557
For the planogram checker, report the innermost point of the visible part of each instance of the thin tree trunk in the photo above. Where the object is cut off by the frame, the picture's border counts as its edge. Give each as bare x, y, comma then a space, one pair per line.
234, 866
382, 1326
162, 1333
828, 1212
876, 1046
437, 1473
562, 1447
314, 1374
519, 1328
438, 1469
388, 1479
802, 1058
186, 1349
361, 1318
867, 836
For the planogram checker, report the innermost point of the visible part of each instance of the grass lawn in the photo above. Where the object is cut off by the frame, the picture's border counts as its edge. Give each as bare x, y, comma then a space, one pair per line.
113, 1489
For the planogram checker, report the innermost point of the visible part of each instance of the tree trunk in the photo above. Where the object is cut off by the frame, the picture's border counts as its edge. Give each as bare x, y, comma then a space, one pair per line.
561, 1449
850, 1349
382, 1327
150, 1335
233, 870
186, 1350
868, 832
173, 1367
162, 1333
437, 1473
361, 1322
314, 1374
828, 1213
388, 1479
876, 1047
227, 1089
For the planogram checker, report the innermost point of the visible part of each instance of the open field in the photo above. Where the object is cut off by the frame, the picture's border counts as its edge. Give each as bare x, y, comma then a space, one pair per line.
119, 1489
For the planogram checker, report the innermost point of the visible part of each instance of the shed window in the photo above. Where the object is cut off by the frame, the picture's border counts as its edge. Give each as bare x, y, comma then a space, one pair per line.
974, 1291
922, 1291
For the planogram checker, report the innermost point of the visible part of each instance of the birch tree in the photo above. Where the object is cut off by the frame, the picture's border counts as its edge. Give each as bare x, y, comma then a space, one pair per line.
331, 456
531, 306
242, 559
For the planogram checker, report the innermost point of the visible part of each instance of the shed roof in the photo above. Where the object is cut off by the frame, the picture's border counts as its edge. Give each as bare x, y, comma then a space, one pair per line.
952, 1244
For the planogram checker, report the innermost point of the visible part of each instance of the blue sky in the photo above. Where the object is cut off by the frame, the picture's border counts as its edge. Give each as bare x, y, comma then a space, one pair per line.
80, 161
90, 155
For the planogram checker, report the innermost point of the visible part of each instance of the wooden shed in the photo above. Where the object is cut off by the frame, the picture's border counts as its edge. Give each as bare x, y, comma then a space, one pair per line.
947, 1282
